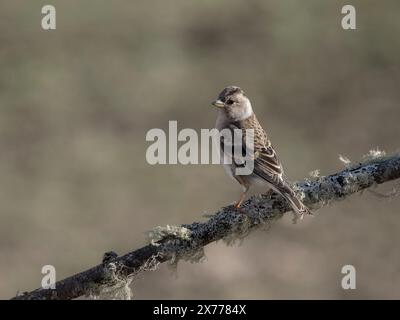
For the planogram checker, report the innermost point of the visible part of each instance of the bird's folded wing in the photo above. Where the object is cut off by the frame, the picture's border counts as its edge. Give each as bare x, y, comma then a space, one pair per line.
267, 165
266, 162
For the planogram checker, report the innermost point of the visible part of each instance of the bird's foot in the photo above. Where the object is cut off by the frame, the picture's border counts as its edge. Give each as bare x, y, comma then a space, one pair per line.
238, 208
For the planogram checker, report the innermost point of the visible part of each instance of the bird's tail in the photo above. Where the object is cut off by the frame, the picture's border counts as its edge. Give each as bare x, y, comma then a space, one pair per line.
297, 205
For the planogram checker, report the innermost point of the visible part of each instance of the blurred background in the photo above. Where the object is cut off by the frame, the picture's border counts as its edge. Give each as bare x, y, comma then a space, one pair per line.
76, 104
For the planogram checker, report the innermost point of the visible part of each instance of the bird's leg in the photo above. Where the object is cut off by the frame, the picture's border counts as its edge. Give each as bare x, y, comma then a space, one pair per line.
242, 197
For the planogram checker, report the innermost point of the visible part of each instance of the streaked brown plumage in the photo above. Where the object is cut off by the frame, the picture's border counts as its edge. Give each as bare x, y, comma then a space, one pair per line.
235, 113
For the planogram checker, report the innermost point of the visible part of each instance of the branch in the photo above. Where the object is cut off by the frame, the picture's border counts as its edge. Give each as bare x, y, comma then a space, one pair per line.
187, 241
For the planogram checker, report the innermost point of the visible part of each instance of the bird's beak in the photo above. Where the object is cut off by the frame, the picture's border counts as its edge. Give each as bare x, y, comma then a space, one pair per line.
218, 104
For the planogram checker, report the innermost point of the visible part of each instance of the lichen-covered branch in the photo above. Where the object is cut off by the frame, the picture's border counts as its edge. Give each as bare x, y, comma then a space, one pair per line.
172, 243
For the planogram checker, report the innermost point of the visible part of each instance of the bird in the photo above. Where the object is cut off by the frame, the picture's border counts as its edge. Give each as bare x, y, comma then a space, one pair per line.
235, 113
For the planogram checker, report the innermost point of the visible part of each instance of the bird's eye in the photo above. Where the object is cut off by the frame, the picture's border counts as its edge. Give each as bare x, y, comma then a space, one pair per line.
229, 102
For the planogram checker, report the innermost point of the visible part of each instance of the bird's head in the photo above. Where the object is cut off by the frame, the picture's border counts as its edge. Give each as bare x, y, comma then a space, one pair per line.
233, 103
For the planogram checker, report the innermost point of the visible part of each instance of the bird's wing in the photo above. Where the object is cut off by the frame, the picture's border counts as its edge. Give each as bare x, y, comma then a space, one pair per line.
266, 162
267, 165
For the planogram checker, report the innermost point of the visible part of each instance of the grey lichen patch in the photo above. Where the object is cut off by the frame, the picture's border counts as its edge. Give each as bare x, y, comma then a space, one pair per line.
188, 251
315, 173
239, 231
151, 264
339, 187
159, 233
118, 291
256, 213
195, 255
357, 176
346, 161
308, 194
299, 191
114, 287
372, 155
178, 242
325, 194
322, 191
350, 184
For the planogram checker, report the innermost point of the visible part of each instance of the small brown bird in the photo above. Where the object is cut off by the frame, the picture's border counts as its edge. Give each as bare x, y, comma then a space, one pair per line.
236, 113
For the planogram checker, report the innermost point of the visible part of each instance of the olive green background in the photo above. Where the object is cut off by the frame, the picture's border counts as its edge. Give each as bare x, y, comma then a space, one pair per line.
76, 103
